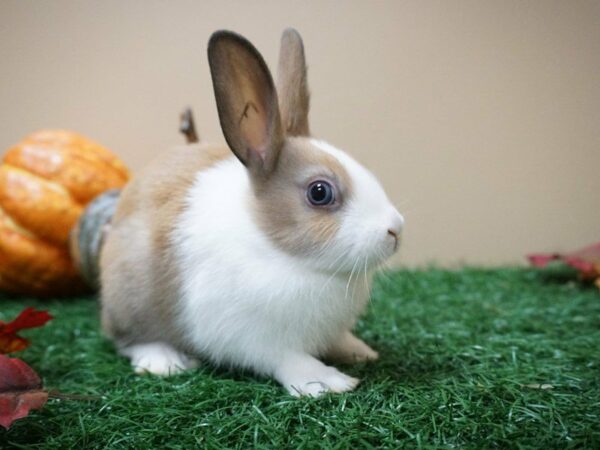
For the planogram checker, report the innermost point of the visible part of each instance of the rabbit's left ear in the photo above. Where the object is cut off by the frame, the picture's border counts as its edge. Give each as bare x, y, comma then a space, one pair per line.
292, 85
246, 101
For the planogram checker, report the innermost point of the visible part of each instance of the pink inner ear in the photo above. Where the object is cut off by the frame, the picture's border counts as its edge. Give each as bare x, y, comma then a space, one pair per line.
254, 127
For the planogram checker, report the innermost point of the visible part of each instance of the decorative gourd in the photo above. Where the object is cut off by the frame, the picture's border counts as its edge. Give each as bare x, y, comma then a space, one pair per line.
45, 182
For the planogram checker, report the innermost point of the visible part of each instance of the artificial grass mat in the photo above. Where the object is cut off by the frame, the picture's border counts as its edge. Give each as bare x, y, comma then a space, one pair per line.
473, 358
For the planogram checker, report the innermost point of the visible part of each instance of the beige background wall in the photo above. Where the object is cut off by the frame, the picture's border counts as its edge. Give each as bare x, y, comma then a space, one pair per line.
481, 118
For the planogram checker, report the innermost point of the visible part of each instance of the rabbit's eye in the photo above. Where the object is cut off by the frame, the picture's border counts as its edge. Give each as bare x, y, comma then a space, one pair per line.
320, 193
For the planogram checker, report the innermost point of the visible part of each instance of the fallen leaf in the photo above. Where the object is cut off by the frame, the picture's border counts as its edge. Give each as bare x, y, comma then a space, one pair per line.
10, 341
543, 259
585, 260
20, 390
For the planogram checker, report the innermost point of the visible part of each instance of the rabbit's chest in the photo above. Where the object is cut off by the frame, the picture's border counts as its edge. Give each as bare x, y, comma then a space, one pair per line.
269, 312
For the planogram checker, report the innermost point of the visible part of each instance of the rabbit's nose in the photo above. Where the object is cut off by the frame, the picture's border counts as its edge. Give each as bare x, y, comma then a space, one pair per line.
395, 228
396, 224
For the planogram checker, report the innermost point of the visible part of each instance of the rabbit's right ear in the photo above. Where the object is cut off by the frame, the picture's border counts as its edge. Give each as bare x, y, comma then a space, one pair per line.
292, 84
246, 101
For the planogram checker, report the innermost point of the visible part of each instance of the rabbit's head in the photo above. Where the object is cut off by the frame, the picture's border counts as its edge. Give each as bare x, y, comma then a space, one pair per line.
311, 199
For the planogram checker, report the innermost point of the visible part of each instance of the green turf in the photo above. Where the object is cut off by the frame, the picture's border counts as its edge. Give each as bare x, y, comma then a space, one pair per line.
463, 354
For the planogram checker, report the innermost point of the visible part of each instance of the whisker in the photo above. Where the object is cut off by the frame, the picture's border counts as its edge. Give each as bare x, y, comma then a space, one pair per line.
367, 287
350, 277
329, 279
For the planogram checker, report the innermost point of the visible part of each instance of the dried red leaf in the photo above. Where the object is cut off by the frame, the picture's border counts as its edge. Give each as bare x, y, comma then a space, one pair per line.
585, 260
20, 390
10, 343
542, 260
29, 318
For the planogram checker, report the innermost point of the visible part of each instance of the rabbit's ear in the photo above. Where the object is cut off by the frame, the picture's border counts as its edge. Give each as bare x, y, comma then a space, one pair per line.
292, 84
246, 101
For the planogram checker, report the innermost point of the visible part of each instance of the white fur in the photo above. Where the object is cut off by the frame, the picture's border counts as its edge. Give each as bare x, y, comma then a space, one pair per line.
246, 303
158, 358
363, 240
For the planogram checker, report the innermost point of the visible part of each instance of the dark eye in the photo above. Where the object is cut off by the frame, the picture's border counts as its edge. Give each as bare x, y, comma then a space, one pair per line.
320, 193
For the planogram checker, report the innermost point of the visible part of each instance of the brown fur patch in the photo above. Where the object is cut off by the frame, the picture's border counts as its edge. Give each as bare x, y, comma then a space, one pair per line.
137, 303
173, 179
164, 184
281, 208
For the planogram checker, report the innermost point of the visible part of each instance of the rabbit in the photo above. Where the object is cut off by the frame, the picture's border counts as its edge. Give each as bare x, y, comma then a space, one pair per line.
257, 255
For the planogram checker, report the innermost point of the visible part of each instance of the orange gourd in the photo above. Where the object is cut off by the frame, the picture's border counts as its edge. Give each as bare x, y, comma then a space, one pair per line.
45, 183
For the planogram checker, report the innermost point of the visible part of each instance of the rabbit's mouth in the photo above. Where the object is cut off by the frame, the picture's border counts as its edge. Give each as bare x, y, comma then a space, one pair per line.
394, 235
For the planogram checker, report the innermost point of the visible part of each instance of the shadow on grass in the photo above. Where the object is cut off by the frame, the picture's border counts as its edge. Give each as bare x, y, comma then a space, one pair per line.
406, 367
558, 274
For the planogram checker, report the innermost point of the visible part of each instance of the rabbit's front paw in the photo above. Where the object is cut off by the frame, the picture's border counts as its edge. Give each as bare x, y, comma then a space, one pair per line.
307, 376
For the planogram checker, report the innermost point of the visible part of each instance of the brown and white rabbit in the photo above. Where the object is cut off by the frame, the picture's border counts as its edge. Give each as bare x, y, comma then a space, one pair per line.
259, 255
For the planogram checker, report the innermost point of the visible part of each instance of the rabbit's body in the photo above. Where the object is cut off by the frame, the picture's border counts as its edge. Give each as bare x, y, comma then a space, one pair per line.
263, 261
286, 306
